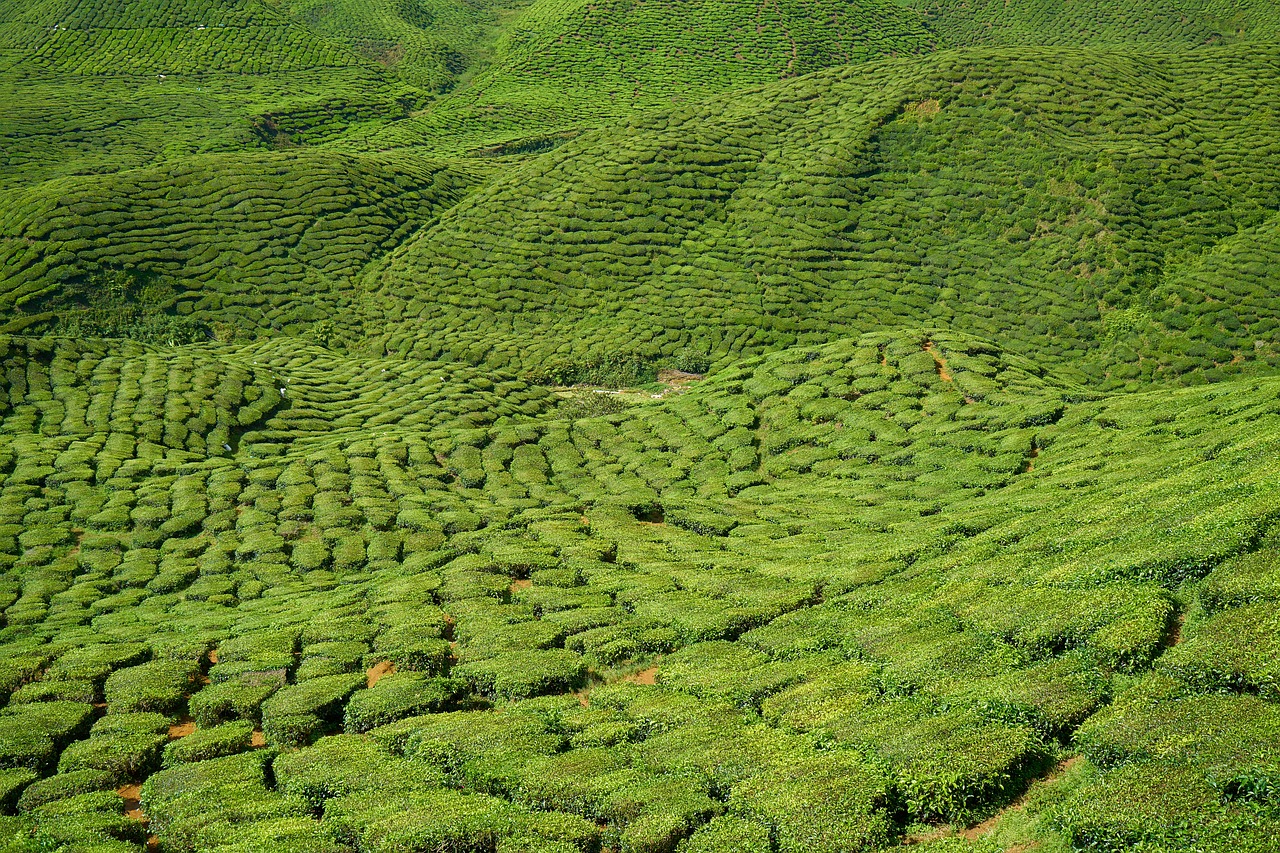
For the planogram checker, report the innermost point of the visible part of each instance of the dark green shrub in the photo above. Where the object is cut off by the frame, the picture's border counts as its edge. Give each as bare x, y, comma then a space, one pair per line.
827, 802
94, 663
14, 784
515, 675
427, 820
296, 713
123, 757
341, 765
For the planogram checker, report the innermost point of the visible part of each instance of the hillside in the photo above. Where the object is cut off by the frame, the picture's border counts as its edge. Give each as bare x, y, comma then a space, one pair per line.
1036, 197
915, 563
541, 426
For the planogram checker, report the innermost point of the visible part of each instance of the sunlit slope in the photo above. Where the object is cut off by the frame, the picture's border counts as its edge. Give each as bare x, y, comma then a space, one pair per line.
1027, 197
431, 43
246, 243
142, 39
880, 586
1172, 23
565, 65
92, 86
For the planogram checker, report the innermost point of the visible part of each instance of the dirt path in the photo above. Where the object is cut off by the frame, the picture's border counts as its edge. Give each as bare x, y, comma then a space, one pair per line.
185, 726
375, 673
132, 804
133, 810
1031, 458
519, 584
648, 676
677, 381
939, 363
1175, 630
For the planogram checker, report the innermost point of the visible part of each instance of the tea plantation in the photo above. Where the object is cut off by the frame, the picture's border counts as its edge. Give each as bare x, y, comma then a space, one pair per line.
489, 426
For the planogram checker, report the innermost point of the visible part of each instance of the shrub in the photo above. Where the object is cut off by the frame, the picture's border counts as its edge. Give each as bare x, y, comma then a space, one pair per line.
400, 695
62, 786
341, 765
159, 686
729, 834
205, 743
23, 746
428, 820
517, 675
94, 663
407, 648
193, 804
86, 820
297, 712
14, 784
819, 803
123, 757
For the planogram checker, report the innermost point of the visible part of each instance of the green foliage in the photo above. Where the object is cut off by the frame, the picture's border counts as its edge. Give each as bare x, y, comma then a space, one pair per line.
206, 743
397, 696
61, 786
970, 467
342, 765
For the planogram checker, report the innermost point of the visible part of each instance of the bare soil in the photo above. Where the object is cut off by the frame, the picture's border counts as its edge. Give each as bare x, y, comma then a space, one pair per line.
645, 676
375, 672
939, 363
132, 804
182, 728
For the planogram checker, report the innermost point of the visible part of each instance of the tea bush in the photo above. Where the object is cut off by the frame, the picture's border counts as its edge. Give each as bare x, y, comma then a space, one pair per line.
966, 500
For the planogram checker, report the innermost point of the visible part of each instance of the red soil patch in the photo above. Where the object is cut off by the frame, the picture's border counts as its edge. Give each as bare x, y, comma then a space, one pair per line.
522, 583
182, 728
132, 805
213, 656
1175, 631
258, 740
1031, 457
939, 363
374, 674
645, 676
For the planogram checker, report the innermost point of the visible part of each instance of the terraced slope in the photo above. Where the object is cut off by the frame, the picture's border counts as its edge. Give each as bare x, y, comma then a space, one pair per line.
560, 67
220, 245
869, 587
1035, 197
1189, 23
435, 45
960, 529
99, 86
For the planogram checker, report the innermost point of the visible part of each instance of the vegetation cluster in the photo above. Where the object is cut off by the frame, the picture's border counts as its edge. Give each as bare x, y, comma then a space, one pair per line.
481, 426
